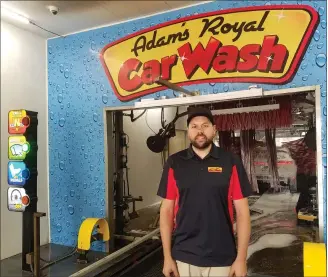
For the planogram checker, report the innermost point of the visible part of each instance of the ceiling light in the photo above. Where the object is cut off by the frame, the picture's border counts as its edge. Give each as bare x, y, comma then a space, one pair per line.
14, 15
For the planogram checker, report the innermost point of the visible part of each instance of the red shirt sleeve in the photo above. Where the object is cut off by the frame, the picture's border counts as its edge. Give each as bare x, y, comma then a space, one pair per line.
240, 185
167, 187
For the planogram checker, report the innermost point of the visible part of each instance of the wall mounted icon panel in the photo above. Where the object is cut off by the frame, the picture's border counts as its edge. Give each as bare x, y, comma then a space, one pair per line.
18, 200
18, 147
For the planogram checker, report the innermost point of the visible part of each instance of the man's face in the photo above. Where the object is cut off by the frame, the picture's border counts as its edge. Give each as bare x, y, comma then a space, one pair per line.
201, 132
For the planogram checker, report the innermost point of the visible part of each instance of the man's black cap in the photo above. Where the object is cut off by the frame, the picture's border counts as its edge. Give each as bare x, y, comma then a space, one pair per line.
199, 111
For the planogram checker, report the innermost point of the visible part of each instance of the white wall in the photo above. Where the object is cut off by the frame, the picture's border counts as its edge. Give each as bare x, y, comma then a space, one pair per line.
23, 86
146, 166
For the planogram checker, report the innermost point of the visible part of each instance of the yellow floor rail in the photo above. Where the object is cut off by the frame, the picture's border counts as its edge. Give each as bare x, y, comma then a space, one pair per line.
314, 259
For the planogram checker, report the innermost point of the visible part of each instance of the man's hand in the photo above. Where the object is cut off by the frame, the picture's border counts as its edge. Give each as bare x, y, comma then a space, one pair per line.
170, 267
238, 269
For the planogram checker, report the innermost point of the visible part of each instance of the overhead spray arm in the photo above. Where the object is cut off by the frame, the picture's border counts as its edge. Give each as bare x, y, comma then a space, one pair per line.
157, 142
176, 88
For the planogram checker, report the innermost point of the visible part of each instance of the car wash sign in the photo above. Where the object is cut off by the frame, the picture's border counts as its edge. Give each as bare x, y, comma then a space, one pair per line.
263, 44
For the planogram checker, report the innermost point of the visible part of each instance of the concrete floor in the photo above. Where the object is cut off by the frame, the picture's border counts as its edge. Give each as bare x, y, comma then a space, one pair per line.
11, 267
275, 248
276, 244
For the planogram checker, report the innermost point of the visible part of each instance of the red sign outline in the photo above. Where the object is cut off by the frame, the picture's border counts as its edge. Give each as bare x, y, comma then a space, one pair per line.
264, 80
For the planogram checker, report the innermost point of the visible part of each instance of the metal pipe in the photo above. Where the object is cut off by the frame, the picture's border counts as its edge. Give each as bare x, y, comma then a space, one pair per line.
129, 238
116, 254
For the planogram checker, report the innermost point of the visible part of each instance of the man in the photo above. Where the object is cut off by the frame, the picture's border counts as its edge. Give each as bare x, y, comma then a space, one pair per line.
198, 186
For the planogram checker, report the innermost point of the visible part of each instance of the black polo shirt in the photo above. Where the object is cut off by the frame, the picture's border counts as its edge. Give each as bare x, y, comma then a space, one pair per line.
203, 190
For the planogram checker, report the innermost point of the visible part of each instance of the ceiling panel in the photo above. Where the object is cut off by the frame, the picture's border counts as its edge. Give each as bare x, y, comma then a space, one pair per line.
75, 16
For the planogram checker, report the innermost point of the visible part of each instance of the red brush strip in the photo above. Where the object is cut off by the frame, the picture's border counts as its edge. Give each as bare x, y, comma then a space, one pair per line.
256, 120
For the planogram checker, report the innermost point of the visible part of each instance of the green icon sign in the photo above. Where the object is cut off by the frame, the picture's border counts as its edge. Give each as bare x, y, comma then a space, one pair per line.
18, 147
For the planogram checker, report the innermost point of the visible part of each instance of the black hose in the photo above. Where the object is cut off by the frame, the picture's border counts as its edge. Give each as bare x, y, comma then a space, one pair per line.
60, 258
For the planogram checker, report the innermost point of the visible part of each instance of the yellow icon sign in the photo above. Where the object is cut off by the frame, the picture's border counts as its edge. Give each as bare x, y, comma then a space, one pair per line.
18, 121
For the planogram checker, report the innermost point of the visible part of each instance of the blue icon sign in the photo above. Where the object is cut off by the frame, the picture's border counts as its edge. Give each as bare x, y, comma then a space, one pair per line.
17, 173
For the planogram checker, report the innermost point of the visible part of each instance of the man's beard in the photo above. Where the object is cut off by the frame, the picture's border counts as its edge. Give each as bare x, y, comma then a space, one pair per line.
201, 145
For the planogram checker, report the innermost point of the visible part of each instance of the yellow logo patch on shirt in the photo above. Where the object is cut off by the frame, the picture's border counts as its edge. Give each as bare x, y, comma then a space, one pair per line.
214, 169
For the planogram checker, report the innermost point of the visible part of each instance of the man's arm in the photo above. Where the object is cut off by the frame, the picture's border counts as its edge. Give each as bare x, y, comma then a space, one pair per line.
241, 189
243, 227
166, 226
168, 191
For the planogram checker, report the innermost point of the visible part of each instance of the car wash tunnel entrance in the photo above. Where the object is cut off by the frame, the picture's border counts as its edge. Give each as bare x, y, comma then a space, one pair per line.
278, 136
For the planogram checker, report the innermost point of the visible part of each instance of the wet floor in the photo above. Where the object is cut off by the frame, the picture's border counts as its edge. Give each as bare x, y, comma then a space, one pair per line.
275, 249
276, 245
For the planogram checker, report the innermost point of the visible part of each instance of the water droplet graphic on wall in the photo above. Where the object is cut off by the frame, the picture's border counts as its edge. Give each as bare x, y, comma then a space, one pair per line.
85, 185
321, 10
61, 122
226, 87
66, 74
95, 117
62, 165
323, 24
50, 50
85, 155
105, 98
93, 45
303, 66
324, 93
59, 228
65, 198
321, 60
320, 45
60, 98
52, 115
324, 110
70, 209
316, 35
305, 77
72, 193
61, 68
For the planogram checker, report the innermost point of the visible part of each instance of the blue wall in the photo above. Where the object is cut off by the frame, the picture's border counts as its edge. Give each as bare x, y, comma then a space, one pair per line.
79, 90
